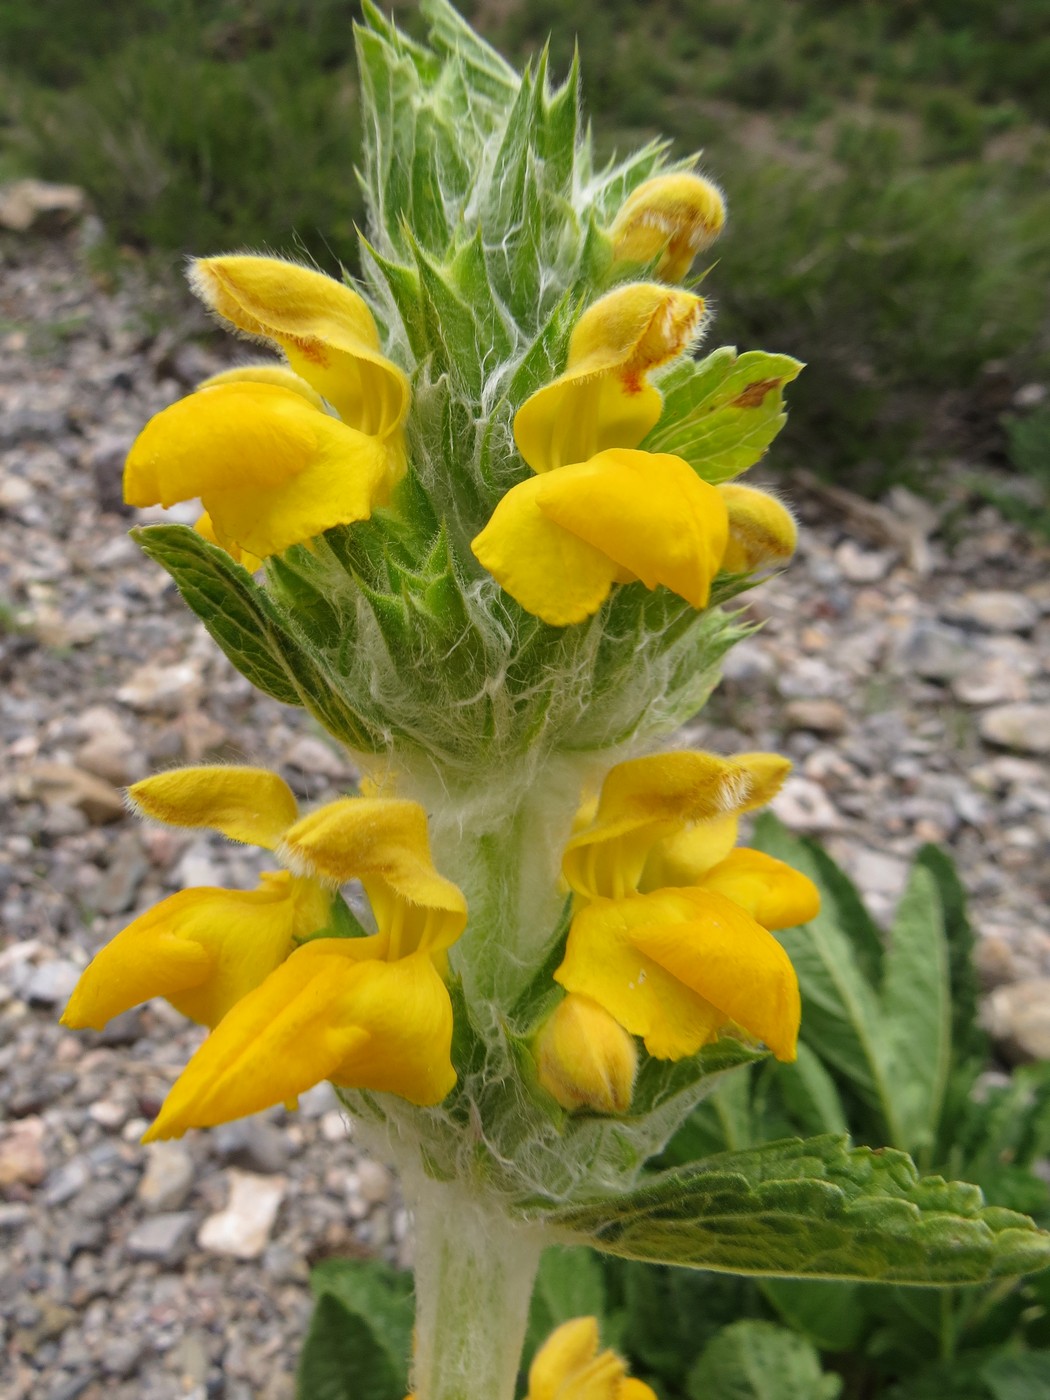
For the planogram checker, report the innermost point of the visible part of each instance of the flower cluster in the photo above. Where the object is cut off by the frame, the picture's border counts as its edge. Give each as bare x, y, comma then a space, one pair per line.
291, 996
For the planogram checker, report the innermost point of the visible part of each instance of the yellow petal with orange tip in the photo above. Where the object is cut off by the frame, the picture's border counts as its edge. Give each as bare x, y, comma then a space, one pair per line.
775, 895
552, 573
647, 512
677, 966
642, 801
271, 471
269, 372
383, 842
201, 949
326, 330
323, 1014
762, 531
603, 398
252, 805
671, 217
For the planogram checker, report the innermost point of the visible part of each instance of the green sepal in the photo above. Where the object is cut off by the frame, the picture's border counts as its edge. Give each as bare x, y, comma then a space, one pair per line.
720, 414
815, 1209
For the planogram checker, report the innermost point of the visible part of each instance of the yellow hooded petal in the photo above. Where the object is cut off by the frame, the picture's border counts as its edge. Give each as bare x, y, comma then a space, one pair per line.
325, 329
670, 217
585, 1059
548, 570
383, 842
201, 949
270, 470
266, 373
775, 895
253, 805
762, 532
647, 512
684, 857
569, 1366
603, 398
323, 1014
603, 963
645, 800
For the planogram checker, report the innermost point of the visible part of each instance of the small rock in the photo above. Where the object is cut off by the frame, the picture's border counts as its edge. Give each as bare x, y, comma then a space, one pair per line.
163, 1238
251, 1144
40, 206
1025, 728
110, 1114
51, 983
64, 1183
818, 716
168, 1178
997, 610
121, 1356
877, 873
374, 1181
933, 652
802, 805
13, 1215
313, 756
115, 892
162, 688
22, 1160
243, 1228
61, 784
105, 461
991, 680
862, 565
1018, 1016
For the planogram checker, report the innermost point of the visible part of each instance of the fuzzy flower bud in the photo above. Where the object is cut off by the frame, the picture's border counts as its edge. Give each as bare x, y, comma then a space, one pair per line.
585, 1058
762, 532
670, 217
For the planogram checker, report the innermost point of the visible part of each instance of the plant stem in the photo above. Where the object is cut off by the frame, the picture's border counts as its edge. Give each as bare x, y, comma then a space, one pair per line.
474, 1269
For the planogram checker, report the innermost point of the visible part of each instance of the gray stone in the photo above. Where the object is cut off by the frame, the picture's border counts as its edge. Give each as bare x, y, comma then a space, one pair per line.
162, 689
50, 984
168, 1178
1018, 1016
251, 1144
164, 1239
933, 652
64, 1183
1025, 728
818, 716
997, 610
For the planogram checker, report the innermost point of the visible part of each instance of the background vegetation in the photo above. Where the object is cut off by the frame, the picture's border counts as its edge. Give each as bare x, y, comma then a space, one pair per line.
885, 161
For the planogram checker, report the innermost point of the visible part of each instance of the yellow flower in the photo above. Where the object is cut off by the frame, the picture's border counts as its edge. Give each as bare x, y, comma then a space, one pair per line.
372, 1011
688, 798
671, 932
569, 1366
762, 532
670, 217
272, 467
678, 966
585, 1059
334, 1010
598, 511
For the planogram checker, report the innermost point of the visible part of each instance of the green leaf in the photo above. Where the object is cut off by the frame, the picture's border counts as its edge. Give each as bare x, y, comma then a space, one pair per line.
831, 1315
570, 1283
342, 1360
1022, 1377
810, 1094
721, 413
754, 1360
380, 1297
813, 1209
915, 999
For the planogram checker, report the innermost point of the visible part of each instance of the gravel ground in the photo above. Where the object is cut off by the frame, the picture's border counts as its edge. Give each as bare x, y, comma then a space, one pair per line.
904, 666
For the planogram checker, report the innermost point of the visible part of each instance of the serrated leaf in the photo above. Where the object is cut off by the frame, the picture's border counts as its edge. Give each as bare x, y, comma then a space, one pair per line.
342, 1360
721, 413
754, 1360
242, 619
916, 1008
813, 1209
